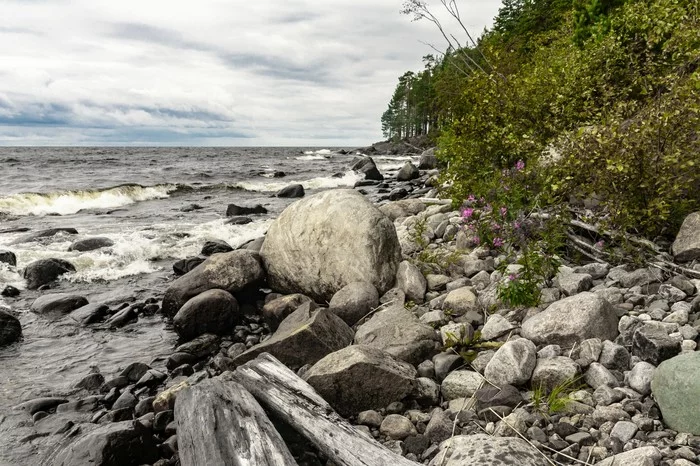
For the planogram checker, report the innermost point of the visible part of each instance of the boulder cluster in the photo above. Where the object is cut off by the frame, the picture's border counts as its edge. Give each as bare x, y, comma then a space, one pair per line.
400, 329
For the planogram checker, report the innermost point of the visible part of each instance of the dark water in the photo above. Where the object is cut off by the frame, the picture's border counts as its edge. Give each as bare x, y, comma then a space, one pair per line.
140, 198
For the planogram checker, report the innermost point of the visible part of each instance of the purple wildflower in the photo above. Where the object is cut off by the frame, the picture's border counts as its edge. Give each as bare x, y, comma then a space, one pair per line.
516, 225
476, 241
512, 277
468, 212
498, 242
520, 165
599, 244
504, 211
471, 198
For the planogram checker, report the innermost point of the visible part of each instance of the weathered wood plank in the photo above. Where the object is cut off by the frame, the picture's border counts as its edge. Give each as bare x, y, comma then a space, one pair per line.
220, 423
295, 402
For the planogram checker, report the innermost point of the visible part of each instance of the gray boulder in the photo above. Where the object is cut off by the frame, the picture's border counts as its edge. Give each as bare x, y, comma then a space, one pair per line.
214, 311
408, 172
328, 240
571, 283
90, 244
686, 247
513, 363
359, 378
125, 443
90, 313
460, 301
10, 328
354, 301
400, 333
231, 271
482, 449
642, 456
367, 167
639, 378
291, 191
461, 384
8, 257
428, 160
304, 337
215, 247
278, 309
58, 302
411, 281
675, 386
652, 343
45, 271
555, 371
48, 233
572, 320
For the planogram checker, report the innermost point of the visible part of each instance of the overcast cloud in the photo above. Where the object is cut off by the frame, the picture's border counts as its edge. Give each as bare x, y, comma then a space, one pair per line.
210, 72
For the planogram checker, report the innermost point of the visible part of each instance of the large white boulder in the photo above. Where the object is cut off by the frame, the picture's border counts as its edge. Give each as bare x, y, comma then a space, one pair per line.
328, 240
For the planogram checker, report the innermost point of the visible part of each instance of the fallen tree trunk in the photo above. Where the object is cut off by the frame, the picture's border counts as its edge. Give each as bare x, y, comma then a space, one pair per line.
219, 422
295, 402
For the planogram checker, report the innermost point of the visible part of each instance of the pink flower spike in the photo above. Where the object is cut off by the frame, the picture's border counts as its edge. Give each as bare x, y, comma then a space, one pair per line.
468, 212
520, 165
504, 211
471, 198
512, 277
516, 225
476, 240
497, 242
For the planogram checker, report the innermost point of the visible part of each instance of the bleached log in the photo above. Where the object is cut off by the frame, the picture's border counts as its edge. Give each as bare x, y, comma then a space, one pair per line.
295, 402
219, 422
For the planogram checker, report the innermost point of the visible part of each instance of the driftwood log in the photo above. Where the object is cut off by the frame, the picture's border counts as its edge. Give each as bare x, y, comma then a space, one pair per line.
295, 402
219, 422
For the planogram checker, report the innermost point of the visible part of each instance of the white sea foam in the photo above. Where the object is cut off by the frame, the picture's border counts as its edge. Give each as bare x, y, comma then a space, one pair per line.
348, 179
320, 152
133, 252
310, 157
70, 202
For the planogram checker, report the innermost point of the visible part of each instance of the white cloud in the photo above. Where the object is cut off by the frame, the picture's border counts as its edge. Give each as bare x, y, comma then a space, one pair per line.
269, 72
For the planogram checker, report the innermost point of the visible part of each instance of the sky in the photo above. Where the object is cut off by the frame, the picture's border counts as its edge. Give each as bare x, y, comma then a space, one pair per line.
210, 72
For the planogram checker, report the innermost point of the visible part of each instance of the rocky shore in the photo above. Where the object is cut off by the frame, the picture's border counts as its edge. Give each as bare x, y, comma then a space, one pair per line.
369, 303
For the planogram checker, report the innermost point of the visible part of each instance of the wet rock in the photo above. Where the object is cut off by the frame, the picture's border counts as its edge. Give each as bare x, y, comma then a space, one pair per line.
10, 328
291, 191
304, 337
125, 400
45, 271
134, 371
91, 381
124, 443
408, 172
45, 234
8, 257
202, 346
676, 385
214, 311
572, 320
328, 240
239, 220
182, 266
411, 281
91, 244
9, 292
354, 301
359, 378
686, 247
400, 333
482, 449
90, 313
215, 247
277, 310
123, 317
233, 210
367, 167
232, 271
41, 404
59, 302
